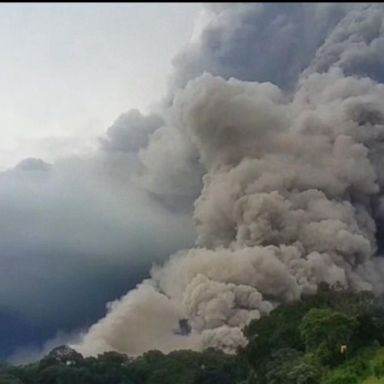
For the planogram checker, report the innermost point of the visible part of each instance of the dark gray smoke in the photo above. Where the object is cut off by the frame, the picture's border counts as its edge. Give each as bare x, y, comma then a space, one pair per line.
263, 42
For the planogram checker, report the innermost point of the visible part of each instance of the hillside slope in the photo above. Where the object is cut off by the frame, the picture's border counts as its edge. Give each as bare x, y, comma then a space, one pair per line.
334, 337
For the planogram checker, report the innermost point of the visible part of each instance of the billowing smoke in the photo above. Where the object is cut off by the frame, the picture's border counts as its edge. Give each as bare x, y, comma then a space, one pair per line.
286, 174
263, 42
77, 231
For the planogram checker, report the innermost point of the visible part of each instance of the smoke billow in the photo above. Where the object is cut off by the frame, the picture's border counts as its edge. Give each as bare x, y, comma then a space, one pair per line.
285, 174
78, 231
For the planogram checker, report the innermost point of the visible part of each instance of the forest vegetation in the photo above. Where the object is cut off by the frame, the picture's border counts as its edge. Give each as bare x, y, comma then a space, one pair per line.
333, 337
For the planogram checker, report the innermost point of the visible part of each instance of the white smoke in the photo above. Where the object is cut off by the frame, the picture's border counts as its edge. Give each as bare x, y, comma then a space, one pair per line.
292, 181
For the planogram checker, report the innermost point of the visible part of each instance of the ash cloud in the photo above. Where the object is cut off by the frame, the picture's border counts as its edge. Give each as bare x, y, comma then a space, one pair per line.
263, 42
273, 106
356, 44
271, 139
77, 233
130, 131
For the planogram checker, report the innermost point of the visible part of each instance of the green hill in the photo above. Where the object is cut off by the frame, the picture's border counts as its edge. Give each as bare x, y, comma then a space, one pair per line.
333, 337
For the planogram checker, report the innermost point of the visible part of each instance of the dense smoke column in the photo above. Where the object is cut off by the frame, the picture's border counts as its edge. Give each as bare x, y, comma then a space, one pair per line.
287, 174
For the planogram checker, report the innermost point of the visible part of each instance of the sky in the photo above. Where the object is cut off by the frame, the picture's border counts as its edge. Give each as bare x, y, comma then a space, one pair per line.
68, 70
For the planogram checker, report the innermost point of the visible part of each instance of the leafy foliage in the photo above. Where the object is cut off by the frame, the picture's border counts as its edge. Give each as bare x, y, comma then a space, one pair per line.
334, 337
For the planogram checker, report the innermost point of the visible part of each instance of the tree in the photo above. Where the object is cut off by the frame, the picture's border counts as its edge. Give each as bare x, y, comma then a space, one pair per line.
9, 379
342, 377
325, 331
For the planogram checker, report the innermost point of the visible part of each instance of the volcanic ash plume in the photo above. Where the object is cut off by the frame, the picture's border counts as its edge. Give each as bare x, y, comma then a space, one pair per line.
291, 197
